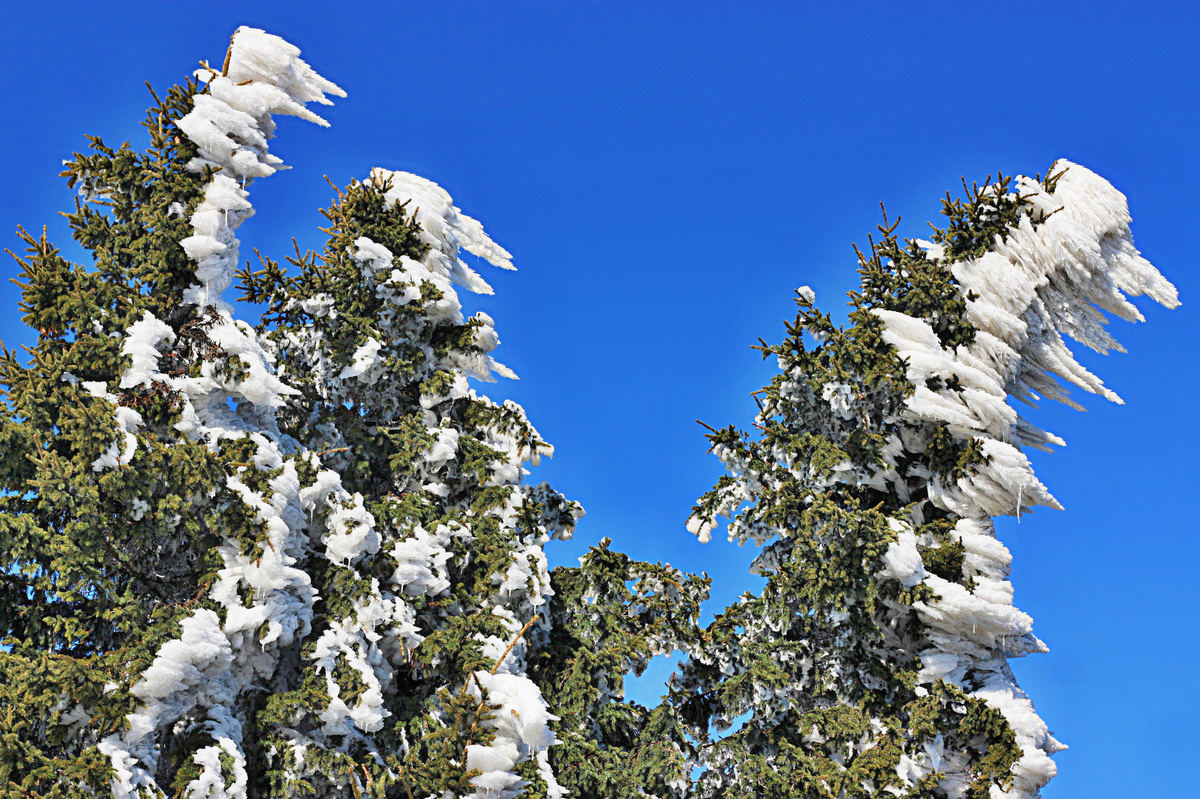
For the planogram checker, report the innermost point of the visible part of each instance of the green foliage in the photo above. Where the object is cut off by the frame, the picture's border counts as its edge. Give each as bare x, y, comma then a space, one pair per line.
819, 670
118, 530
974, 221
609, 617
99, 565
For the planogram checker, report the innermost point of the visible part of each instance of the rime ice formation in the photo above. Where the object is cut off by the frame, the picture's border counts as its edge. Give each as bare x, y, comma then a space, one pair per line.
231, 125
522, 730
305, 513
232, 398
1068, 258
1030, 289
417, 299
446, 229
128, 421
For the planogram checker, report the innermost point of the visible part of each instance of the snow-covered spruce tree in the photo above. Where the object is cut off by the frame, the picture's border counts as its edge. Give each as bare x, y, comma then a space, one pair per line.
154, 517
298, 560
874, 662
444, 601
428, 603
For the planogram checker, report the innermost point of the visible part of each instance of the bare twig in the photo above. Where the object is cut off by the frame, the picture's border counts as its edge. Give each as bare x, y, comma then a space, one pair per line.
513, 643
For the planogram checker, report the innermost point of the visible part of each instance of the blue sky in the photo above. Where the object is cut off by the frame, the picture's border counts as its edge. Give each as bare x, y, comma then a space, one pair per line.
665, 175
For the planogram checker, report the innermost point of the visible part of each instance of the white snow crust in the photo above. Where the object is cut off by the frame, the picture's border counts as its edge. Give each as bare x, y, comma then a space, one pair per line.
203, 672
1033, 287
445, 228
1036, 286
522, 727
231, 125
268, 600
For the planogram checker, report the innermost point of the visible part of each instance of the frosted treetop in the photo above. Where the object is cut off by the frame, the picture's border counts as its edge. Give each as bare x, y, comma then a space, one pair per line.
263, 76
230, 124
445, 229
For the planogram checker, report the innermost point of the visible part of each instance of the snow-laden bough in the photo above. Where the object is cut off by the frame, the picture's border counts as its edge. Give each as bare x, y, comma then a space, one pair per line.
948, 454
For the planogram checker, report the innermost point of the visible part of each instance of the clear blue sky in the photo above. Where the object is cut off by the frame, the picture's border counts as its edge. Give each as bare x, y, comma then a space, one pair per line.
665, 174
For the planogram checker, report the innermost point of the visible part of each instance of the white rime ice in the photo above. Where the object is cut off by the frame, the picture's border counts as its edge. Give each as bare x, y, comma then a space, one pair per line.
1068, 258
128, 421
522, 728
409, 316
446, 229
1031, 288
205, 670
268, 599
231, 125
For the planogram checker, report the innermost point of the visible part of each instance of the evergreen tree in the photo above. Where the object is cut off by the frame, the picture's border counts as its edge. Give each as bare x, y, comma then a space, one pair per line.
609, 618
299, 559
874, 662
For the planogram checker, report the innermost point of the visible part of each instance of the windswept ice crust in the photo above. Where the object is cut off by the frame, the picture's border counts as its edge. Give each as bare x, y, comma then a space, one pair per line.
231, 125
1069, 258
445, 228
213, 664
1034, 286
399, 282
522, 721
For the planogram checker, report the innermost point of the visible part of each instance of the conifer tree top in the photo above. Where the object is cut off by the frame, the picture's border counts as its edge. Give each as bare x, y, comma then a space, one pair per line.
875, 660
297, 558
